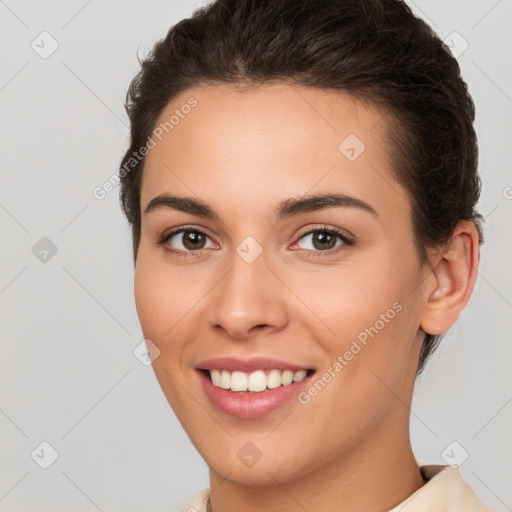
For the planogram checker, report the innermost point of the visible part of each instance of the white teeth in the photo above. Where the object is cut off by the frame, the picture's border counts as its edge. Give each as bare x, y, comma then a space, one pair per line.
256, 381
273, 379
287, 377
215, 375
298, 376
225, 380
238, 381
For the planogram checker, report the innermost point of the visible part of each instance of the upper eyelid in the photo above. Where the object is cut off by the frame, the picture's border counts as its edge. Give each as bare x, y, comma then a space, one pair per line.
337, 231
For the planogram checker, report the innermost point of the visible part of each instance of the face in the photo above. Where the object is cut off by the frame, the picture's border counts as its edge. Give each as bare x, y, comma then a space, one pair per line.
271, 283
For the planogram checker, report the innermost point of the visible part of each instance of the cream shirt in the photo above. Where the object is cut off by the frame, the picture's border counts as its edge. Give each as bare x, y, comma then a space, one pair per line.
444, 491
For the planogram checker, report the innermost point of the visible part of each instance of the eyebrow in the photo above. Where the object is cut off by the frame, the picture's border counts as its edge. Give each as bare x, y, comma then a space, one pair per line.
287, 208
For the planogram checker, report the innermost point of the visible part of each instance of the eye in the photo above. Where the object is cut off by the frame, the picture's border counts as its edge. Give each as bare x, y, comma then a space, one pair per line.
324, 240
184, 240
189, 241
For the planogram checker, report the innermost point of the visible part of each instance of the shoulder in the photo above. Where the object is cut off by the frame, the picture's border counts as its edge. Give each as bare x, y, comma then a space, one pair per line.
445, 490
198, 503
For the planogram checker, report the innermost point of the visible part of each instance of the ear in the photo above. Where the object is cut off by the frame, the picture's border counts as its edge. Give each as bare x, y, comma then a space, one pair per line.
453, 275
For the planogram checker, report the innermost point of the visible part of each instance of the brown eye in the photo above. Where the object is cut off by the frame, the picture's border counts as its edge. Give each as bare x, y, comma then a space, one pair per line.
185, 240
323, 242
193, 240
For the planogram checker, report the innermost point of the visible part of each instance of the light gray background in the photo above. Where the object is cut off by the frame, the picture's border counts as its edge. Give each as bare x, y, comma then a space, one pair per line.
69, 326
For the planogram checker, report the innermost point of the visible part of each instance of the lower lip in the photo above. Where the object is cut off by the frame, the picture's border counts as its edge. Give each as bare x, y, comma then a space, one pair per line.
251, 405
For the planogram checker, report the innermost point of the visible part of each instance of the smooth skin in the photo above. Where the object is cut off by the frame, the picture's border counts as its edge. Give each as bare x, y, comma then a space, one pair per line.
243, 152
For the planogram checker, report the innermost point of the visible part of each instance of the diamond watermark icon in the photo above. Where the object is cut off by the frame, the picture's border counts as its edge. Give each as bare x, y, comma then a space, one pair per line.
146, 352
249, 454
44, 250
44, 45
249, 249
351, 147
44, 455
454, 453
455, 44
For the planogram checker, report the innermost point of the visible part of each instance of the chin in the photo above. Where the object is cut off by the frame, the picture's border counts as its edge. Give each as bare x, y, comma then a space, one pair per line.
260, 475
254, 464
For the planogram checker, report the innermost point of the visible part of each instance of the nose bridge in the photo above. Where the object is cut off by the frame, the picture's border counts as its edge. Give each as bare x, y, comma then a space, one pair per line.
246, 297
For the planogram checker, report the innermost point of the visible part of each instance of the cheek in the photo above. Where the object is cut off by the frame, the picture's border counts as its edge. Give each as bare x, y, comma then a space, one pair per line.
162, 305
148, 299
365, 313
347, 299
162, 298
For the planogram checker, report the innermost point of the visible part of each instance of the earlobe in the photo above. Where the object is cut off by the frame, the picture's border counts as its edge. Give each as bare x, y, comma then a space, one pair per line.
454, 277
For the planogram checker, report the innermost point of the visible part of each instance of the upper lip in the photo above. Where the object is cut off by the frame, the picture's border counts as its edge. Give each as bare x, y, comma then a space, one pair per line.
231, 364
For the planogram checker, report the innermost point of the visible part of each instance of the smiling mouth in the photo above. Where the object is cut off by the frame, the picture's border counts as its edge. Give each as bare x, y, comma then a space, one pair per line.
254, 382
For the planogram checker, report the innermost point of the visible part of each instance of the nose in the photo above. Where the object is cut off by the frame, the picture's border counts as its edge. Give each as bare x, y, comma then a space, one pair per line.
248, 300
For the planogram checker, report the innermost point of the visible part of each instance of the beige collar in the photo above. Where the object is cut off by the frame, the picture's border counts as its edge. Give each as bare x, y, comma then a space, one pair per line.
444, 491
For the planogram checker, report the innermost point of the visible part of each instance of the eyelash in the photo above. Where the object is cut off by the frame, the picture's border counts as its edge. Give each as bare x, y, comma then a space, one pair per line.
315, 253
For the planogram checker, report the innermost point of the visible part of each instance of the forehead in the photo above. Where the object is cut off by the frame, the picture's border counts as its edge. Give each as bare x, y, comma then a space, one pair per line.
260, 144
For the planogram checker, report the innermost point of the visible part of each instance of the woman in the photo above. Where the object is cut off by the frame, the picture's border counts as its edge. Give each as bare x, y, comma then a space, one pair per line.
301, 185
